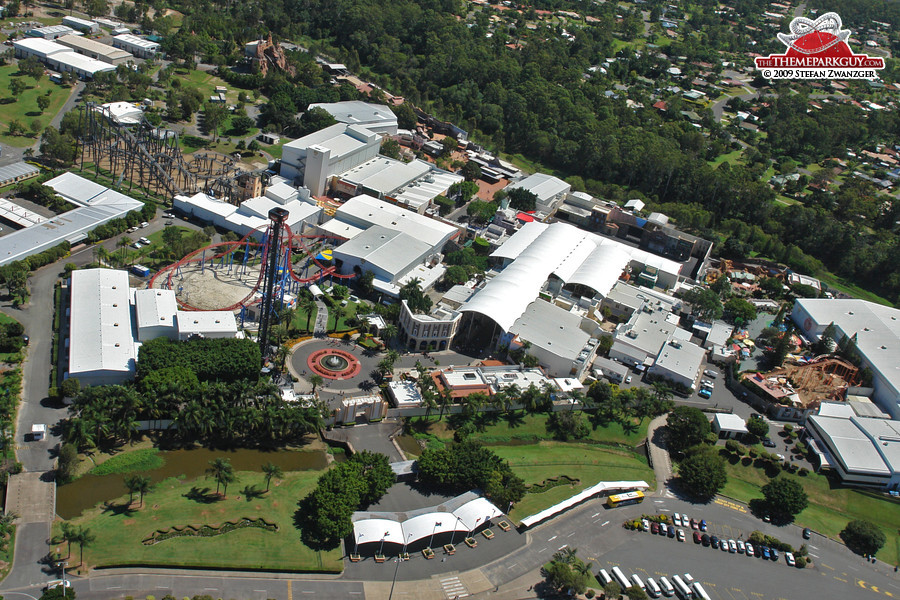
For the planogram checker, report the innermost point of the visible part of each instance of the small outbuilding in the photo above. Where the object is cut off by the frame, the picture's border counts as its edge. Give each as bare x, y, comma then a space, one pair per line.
728, 426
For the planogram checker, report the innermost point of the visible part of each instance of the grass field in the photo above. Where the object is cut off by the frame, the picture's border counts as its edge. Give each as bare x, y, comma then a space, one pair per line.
830, 507
838, 283
531, 427
144, 459
537, 462
731, 157
24, 108
119, 531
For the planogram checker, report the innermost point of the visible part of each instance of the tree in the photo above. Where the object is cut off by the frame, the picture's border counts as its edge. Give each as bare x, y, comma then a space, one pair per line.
471, 171
15, 128
612, 590
213, 117
271, 470
522, 199
315, 380
863, 537
702, 473
66, 463
705, 303
416, 299
17, 86
69, 534
780, 349
84, 538
390, 148
242, 124
60, 147
567, 571
784, 498
636, 593
687, 426
139, 484
739, 308
43, 102
221, 470
758, 428
480, 211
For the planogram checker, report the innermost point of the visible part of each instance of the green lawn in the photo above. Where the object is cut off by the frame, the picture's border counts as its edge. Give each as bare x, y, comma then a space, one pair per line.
24, 108
119, 531
840, 284
275, 149
300, 318
830, 508
590, 464
731, 157
531, 427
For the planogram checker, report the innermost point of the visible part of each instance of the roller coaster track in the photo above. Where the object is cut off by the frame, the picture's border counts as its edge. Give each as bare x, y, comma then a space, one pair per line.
223, 249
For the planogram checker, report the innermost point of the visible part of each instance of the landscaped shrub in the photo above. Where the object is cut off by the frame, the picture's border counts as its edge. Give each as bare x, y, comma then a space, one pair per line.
161, 535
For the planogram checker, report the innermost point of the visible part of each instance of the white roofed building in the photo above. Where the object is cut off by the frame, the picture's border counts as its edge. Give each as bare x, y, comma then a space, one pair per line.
124, 113
206, 324
154, 312
140, 47
94, 49
313, 159
413, 185
550, 190
59, 57
50, 32
81, 24
864, 451
101, 342
364, 211
679, 361
374, 117
251, 216
877, 332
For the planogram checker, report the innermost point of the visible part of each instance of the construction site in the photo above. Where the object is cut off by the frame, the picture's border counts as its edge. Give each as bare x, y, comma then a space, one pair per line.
805, 385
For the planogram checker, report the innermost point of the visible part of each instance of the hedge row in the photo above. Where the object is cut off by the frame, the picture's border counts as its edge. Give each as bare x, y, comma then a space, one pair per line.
161, 535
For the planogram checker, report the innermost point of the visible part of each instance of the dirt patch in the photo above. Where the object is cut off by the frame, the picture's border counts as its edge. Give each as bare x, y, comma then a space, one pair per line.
212, 288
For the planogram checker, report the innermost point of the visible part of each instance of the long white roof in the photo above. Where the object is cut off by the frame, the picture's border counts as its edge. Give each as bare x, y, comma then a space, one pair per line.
574, 255
394, 528
101, 337
365, 211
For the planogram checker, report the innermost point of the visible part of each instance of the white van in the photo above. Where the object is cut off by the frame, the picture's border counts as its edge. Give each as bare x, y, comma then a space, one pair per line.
638, 582
605, 579
667, 589
681, 588
620, 578
653, 590
701, 593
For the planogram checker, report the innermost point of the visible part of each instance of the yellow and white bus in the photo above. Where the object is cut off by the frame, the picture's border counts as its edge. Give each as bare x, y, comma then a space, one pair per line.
635, 497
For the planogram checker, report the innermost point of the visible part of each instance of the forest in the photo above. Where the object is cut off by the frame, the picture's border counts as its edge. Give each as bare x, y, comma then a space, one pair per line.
535, 101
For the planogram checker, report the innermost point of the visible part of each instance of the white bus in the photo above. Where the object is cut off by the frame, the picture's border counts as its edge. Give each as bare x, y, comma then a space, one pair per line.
681, 588
604, 577
653, 589
667, 589
638, 582
620, 578
701, 593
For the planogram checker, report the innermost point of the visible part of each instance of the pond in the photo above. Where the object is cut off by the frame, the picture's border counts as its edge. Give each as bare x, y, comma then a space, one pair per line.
89, 490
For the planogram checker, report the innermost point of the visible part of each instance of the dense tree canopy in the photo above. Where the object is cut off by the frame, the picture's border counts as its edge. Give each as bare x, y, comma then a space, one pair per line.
702, 472
687, 426
863, 537
469, 464
226, 359
784, 498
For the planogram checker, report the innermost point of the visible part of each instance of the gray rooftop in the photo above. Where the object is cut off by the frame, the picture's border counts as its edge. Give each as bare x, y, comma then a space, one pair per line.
358, 112
551, 328
851, 442
682, 358
19, 169
101, 337
388, 249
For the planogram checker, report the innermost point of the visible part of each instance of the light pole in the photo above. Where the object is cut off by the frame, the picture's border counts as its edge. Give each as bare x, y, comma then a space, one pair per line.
380, 548
431, 539
453, 535
356, 548
406, 543
396, 570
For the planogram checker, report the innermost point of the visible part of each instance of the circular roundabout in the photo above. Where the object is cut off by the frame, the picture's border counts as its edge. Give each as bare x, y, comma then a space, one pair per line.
332, 363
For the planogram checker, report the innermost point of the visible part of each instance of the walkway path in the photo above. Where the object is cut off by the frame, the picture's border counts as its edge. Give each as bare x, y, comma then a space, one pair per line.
321, 326
659, 455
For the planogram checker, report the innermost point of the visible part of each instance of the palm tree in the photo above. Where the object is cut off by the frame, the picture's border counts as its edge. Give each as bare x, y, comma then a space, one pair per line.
84, 538
271, 470
123, 243
389, 332
308, 304
142, 486
281, 355
221, 470
131, 482
316, 380
69, 534
393, 356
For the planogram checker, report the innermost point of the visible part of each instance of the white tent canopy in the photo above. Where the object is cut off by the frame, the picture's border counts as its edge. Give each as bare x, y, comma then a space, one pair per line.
398, 529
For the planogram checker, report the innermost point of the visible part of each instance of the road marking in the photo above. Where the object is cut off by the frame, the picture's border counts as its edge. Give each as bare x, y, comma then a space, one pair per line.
553, 538
541, 550
512, 566
264, 591
290, 596
594, 515
604, 523
355, 593
571, 534
563, 547
827, 566
308, 592
814, 555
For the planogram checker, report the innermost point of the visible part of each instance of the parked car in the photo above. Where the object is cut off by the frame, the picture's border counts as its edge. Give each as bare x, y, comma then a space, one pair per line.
645, 524
654, 527
694, 523
681, 535
703, 525
705, 393
168, 216
790, 559
707, 383
806, 533
710, 373
748, 549
662, 529
765, 552
169, 223
670, 532
741, 547
697, 537
144, 241
145, 224
732, 546
131, 230
768, 443
136, 246
676, 518
628, 379
723, 546
704, 539
714, 542
774, 553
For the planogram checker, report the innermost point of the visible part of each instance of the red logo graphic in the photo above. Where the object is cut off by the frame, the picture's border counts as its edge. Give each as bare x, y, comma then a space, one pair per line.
818, 50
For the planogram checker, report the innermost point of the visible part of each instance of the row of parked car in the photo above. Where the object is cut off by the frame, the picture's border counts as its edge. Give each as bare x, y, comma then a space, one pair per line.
739, 547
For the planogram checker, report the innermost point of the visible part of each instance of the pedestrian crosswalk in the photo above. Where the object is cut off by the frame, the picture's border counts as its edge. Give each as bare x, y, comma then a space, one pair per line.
454, 588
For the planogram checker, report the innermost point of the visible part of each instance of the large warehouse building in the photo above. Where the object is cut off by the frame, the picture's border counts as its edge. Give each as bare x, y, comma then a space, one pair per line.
877, 331
59, 57
374, 117
864, 451
96, 205
313, 159
108, 320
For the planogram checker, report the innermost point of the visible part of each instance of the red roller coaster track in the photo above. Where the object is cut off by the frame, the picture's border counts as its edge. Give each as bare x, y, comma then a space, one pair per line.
223, 249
